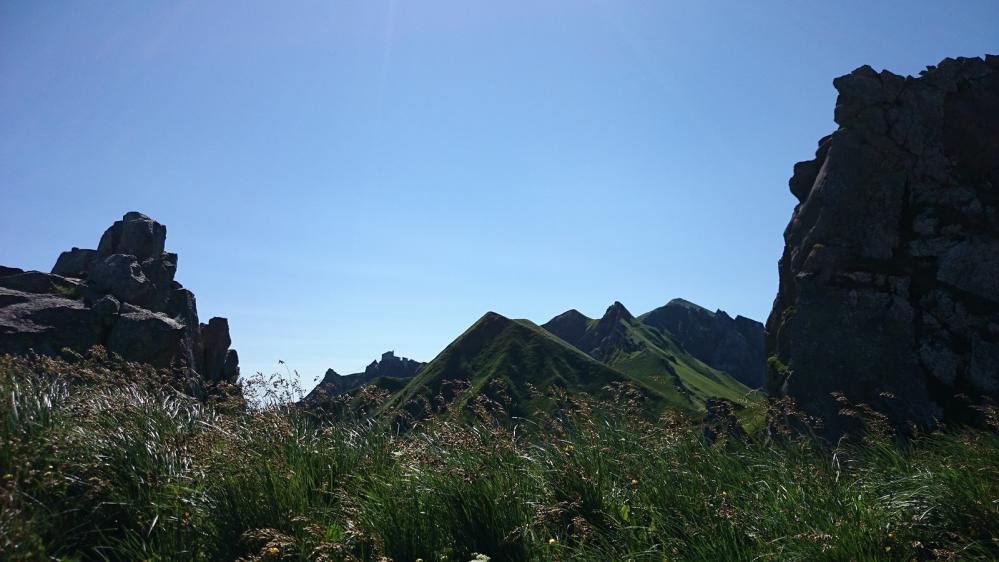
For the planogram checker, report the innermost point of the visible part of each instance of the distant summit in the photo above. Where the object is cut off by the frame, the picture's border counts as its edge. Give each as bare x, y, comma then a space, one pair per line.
650, 355
512, 363
122, 296
389, 366
515, 368
735, 346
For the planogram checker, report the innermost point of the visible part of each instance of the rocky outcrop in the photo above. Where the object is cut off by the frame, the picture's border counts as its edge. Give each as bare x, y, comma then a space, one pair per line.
734, 345
334, 384
889, 280
122, 296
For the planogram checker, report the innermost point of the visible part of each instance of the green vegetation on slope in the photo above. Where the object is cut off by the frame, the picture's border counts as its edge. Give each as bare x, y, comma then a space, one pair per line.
624, 343
129, 470
509, 366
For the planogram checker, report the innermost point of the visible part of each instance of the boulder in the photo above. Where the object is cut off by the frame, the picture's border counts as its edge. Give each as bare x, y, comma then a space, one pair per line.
47, 324
148, 337
214, 347
888, 279
230, 369
41, 283
75, 263
122, 276
135, 235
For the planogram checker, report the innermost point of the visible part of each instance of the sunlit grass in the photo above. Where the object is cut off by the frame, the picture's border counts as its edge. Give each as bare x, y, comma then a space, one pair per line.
132, 470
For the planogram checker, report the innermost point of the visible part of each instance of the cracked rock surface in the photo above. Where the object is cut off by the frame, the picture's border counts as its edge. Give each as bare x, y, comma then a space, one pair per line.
122, 296
889, 280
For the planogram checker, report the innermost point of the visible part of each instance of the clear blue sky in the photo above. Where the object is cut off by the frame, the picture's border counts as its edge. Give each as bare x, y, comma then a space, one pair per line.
344, 178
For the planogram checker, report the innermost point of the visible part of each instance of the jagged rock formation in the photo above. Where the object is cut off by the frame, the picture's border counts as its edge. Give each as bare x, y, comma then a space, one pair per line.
734, 345
389, 366
889, 281
122, 296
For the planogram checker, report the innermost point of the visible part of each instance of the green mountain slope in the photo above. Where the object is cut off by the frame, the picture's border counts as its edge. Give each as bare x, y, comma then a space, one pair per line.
512, 363
623, 342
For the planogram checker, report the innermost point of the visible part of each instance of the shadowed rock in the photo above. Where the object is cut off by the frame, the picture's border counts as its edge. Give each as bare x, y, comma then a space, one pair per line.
75, 263
135, 235
122, 296
889, 280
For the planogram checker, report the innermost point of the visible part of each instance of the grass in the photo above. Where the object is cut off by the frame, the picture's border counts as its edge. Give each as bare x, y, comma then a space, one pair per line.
101, 460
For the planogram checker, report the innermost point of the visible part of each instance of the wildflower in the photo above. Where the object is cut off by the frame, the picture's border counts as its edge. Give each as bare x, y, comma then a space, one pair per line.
419, 560
569, 448
724, 494
891, 536
273, 551
552, 541
887, 549
8, 476
634, 482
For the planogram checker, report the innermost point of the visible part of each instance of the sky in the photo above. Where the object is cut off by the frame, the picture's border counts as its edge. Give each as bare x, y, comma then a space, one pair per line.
341, 178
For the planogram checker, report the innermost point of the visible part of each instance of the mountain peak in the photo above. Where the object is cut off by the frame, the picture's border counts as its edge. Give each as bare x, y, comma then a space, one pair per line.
733, 346
684, 303
570, 325
493, 317
617, 311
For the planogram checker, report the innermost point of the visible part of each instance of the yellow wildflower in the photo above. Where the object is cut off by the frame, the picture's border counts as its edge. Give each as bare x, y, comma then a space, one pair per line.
634, 482
552, 541
273, 551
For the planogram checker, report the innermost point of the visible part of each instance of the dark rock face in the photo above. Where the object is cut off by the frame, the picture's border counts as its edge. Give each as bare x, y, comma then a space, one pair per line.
889, 280
135, 235
390, 366
75, 263
213, 349
570, 325
731, 345
122, 296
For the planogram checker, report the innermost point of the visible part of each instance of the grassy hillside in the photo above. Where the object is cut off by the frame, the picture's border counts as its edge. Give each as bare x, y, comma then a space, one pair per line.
511, 368
624, 343
99, 461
